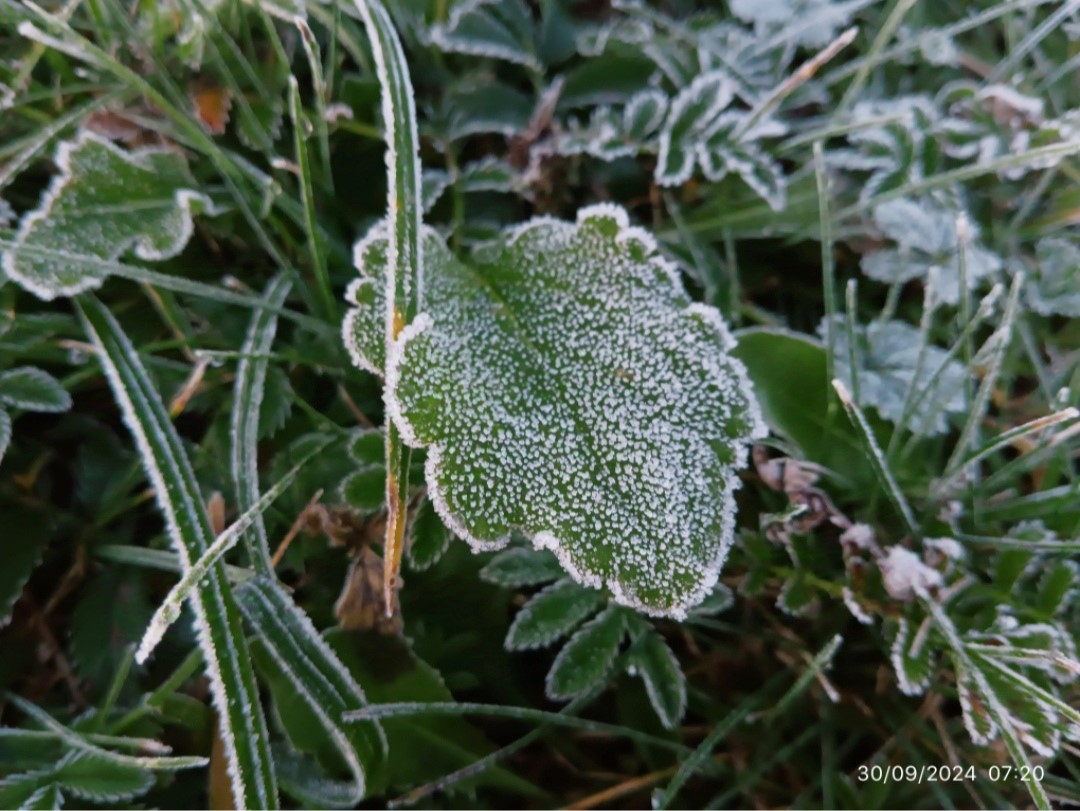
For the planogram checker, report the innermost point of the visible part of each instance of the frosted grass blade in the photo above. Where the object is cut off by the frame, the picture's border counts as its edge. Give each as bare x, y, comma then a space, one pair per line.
321, 681
244, 419
168, 611
217, 621
404, 281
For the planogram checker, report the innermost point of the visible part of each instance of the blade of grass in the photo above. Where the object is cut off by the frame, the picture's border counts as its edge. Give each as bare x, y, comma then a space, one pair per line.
404, 279
168, 611
232, 680
877, 458
828, 263
244, 419
1002, 338
176, 282
77, 741
319, 678
307, 195
884, 34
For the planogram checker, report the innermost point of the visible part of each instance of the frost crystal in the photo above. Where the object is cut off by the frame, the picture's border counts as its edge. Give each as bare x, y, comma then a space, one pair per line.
566, 386
104, 202
905, 575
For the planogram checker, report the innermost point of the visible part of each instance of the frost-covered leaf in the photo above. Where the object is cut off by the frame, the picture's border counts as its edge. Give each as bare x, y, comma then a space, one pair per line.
33, 389
477, 105
812, 23
693, 112
887, 357
912, 654
500, 29
566, 387
429, 538
928, 248
751, 163
488, 174
92, 777
17, 789
892, 141
520, 567
1058, 586
1053, 288
602, 137
652, 660
798, 597
276, 403
104, 202
551, 614
585, 662
721, 599
644, 114
433, 183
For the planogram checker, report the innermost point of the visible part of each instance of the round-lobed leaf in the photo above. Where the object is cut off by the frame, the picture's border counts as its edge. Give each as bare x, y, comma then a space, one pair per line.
104, 202
567, 387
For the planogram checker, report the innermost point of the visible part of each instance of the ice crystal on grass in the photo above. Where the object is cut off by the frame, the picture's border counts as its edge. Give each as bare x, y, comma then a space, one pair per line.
566, 386
104, 202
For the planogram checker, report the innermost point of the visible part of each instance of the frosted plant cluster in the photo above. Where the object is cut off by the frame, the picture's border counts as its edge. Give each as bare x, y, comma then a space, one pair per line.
566, 386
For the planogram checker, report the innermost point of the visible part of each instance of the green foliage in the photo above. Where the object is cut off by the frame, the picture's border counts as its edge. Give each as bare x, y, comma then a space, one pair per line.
879, 198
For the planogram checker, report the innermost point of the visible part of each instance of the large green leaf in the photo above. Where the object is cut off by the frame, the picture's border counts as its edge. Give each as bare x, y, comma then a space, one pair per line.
104, 202
566, 386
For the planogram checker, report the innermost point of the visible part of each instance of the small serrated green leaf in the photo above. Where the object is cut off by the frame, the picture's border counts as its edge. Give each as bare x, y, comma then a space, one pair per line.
587, 659
520, 567
104, 202
33, 389
17, 789
23, 542
91, 777
652, 660
500, 29
552, 614
276, 402
429, 538
365, 490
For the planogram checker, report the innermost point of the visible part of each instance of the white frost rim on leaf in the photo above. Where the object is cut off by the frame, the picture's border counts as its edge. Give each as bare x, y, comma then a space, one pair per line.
184, 199
446, 39
543, 539
724, 92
